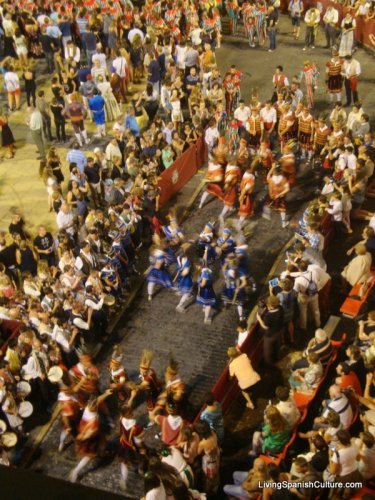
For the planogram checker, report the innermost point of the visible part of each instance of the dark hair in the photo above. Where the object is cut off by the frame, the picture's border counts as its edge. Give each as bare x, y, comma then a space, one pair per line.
280, 68
368, 439
282, 393
302, 265
343, 436
209, 399
152, 481
319, 442
345, 368
203, 429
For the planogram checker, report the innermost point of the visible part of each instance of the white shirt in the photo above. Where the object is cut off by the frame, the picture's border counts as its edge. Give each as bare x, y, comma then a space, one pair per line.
302, 282
156, 493
289, 411
242, 336
242, 114
211, 136
73, 53
351, 161
347, 460
31, 368
180, 56
268, 115
120, 66
351, 68
342, 406
331, 16
319, 275
335, 210
63, 220
11, 80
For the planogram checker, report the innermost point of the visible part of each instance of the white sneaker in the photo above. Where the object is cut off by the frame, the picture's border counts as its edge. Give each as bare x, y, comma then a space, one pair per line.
304, 48
180, 310
73, 476
285, 224
207, 321
122, 485
149, 298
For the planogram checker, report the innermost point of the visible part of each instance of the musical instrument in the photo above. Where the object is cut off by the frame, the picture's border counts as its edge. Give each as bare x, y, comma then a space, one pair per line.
25, 409
23, 389
3, 427
109, 300
9, 439
55, 374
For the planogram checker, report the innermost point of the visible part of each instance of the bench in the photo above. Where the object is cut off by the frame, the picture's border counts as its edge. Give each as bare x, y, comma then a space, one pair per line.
353, 304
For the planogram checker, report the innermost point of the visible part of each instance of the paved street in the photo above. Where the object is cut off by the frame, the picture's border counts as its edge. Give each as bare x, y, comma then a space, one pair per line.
200, 349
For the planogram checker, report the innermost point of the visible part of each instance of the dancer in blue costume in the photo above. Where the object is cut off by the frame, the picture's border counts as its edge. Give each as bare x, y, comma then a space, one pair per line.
158, 274
206, 295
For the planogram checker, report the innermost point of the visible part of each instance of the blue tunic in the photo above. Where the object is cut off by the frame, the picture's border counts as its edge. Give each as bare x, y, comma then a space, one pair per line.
96, 104
158, 274
184, 282
206, 295
229, 290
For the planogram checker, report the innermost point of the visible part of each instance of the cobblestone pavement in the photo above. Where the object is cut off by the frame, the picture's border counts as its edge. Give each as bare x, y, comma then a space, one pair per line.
200, 349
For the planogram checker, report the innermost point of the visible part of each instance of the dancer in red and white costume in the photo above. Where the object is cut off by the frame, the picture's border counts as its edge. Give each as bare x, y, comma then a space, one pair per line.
214, 179
232, 178
246, 198
278, 187
89, 439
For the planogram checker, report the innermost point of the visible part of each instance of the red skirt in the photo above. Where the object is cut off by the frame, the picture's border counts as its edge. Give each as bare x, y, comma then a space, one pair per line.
89, 447
229, 198
247, 208
215, 190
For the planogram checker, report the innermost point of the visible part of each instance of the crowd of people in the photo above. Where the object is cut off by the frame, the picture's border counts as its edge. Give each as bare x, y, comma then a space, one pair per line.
60, 288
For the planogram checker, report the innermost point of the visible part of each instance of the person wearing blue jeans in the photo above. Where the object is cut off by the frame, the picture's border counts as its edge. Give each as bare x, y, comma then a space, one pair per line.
272, 18
236, 490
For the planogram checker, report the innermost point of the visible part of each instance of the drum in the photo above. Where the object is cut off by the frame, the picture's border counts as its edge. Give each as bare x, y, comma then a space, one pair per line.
23, 389
109, 300
9, 439
3, 426
25, 409
55, 374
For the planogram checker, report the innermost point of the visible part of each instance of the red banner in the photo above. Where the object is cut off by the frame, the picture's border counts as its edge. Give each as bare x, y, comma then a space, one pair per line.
174, 178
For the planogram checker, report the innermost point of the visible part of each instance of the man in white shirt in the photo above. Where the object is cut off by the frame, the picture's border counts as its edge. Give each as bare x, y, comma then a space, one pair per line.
340, 404
242, 113
35, 123
72, 52
312, 18
119, 63
330, 19
351, 69
12, 85
351, 159
268, 115
304, 285
36, 370
287, 406
211, 137
65, 219
336, 210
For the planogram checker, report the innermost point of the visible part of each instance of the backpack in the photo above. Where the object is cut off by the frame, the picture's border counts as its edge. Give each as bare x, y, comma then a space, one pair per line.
312, 288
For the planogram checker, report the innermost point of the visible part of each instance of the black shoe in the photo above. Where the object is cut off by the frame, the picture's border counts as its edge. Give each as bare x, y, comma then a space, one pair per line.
347, 104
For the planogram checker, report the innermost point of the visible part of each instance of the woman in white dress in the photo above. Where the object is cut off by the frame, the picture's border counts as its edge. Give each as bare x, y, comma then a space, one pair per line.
111, 108
176, 113
348, 26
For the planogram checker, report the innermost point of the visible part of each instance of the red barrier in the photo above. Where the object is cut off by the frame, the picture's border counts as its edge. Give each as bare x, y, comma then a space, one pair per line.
363, 28
174, 178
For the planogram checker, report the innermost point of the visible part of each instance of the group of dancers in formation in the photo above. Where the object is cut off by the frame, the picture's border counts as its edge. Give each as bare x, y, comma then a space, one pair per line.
86, 412
173, 248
